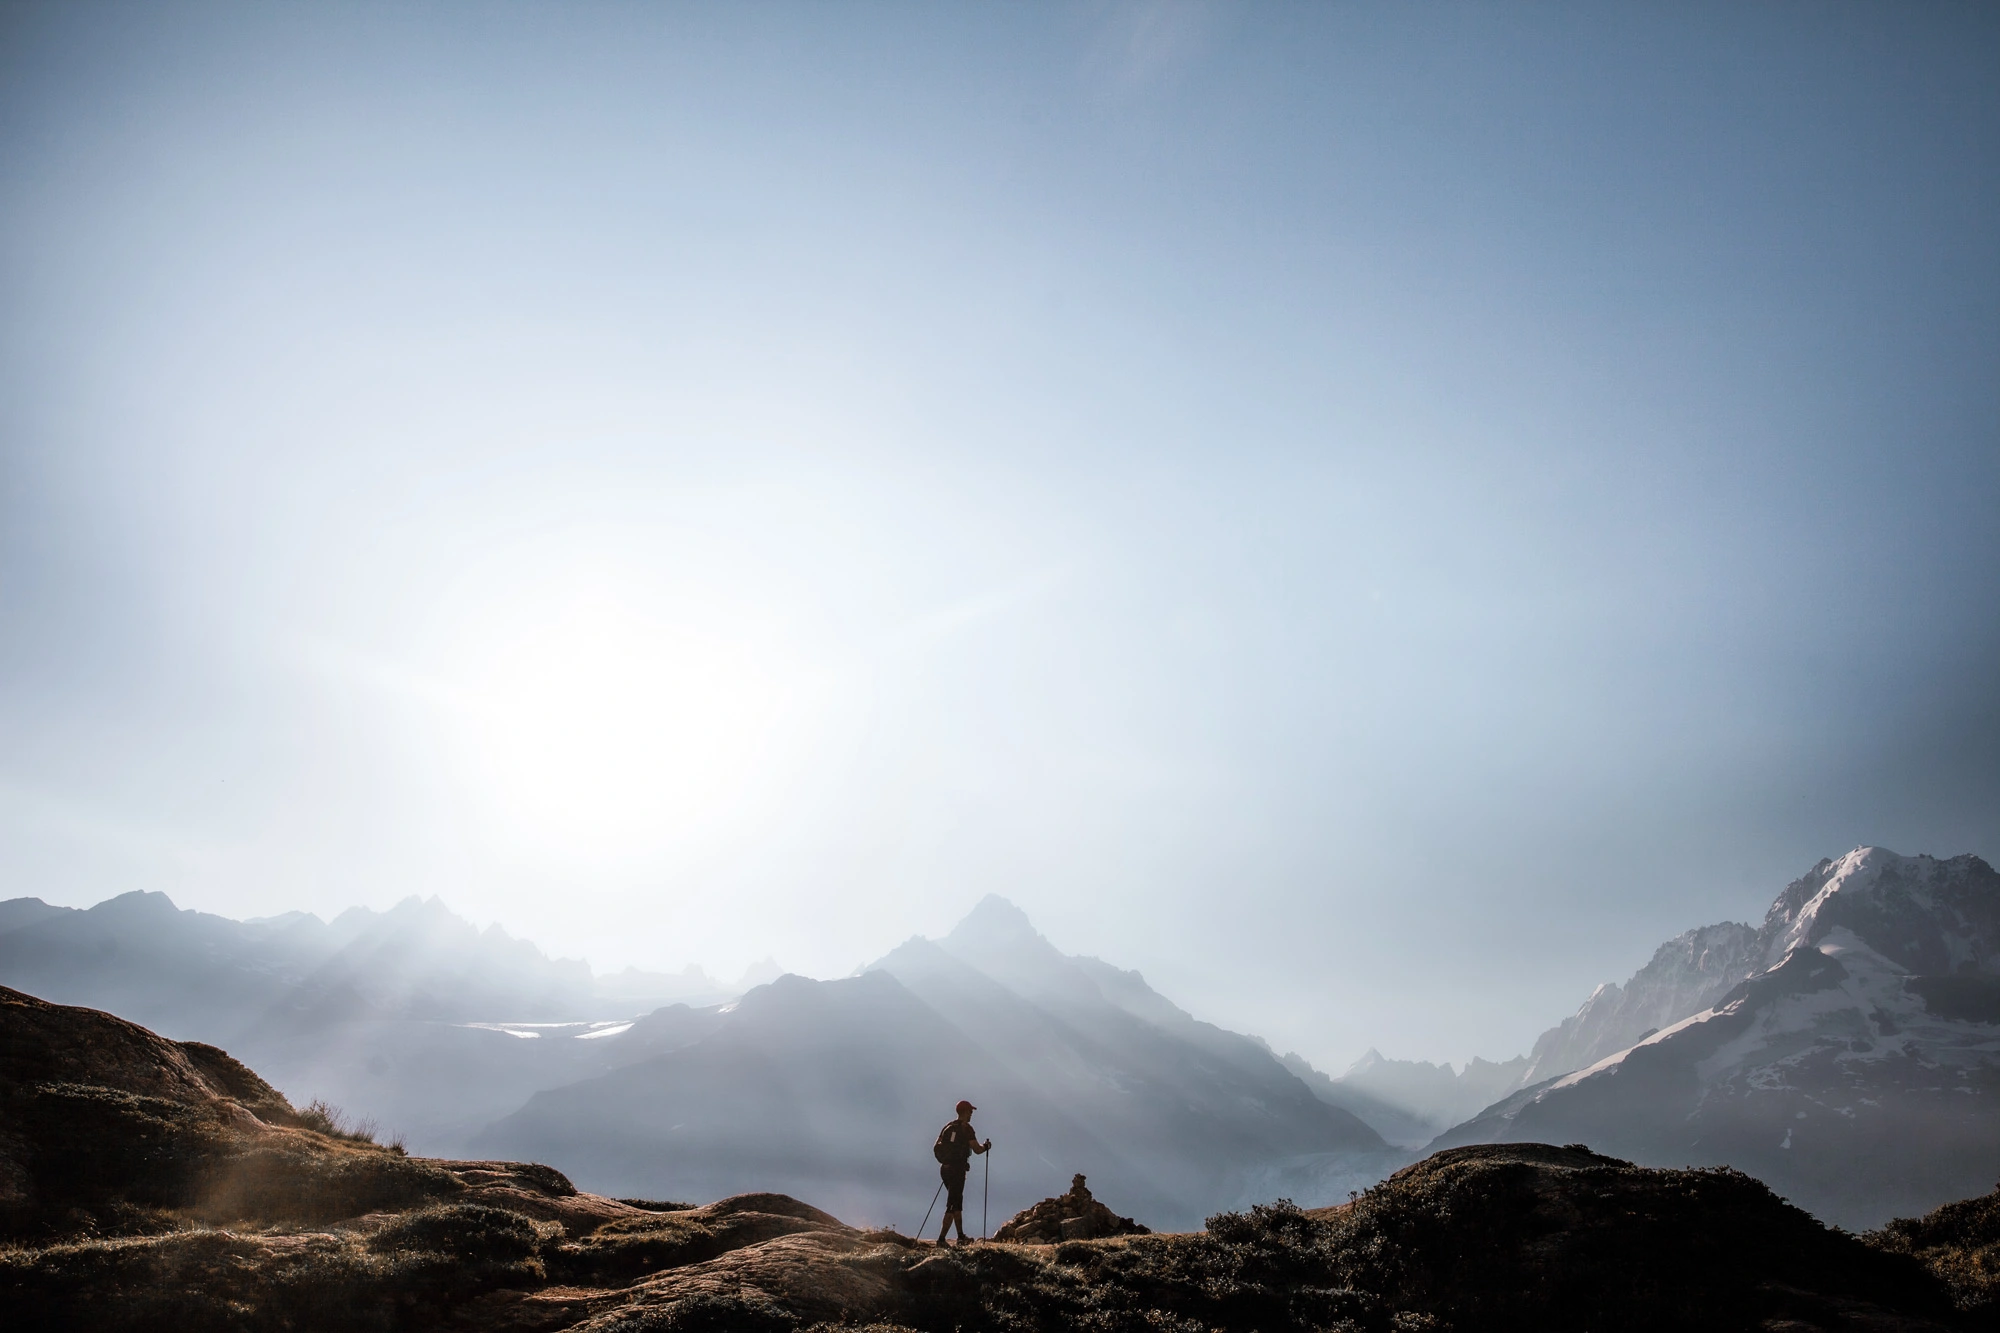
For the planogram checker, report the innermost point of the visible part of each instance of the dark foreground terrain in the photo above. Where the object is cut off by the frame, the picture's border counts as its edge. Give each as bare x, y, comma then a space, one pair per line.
149, 1184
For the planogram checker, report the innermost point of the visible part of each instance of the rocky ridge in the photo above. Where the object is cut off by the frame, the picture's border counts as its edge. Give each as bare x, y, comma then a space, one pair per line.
1685, 975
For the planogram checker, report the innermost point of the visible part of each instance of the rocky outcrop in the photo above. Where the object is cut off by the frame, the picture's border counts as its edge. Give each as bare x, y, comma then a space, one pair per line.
1071, 1216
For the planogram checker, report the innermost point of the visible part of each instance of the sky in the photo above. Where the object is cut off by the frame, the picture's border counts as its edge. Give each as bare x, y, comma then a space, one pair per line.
1374, 515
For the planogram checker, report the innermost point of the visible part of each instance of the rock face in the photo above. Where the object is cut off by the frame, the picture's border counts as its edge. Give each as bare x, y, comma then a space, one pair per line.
1857, 1071
1686, 975
1071, 1216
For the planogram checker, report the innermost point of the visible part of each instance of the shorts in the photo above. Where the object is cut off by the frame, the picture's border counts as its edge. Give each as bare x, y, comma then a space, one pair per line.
954, 1187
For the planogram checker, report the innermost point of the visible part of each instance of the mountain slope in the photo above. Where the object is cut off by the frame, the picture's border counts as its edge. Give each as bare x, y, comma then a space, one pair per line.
830, 1089
836, 1088
1125, 1049
1685, 975
1858, 1072
1411, 1101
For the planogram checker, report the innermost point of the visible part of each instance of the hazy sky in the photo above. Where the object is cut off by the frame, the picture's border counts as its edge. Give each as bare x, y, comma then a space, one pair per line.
1375, 515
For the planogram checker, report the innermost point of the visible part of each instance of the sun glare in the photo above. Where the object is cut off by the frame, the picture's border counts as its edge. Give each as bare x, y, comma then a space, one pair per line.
603, 732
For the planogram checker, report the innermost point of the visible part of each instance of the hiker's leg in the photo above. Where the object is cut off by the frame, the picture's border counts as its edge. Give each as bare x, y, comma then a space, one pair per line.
954, 1202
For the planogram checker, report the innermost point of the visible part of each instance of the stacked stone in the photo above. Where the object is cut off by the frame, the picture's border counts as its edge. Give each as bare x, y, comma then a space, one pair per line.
1072, 1216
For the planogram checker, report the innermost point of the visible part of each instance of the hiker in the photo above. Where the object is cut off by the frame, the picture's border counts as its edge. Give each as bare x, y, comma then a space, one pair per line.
956, 1143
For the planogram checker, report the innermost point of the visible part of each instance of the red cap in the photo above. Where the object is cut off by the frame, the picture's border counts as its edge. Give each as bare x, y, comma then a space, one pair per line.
967, 1106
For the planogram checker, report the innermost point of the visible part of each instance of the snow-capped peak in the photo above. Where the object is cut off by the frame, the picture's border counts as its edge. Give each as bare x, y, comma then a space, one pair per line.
1925, 915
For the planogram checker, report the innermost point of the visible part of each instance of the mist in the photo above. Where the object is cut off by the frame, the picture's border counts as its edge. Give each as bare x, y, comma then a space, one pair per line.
1373, 518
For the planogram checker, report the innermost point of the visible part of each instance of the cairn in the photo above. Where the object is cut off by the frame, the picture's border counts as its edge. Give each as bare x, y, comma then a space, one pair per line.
1072, 1216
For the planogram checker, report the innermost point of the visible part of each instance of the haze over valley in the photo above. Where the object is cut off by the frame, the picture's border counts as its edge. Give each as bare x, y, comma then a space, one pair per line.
1364, 634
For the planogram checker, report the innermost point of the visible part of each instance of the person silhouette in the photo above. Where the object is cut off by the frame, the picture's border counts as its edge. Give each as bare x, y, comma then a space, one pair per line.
956, 1143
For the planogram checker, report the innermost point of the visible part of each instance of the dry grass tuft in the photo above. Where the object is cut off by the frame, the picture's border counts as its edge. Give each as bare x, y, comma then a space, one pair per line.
325, 1118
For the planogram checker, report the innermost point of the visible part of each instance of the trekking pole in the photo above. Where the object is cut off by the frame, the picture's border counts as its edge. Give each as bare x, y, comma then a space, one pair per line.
921, 1226
985, 1191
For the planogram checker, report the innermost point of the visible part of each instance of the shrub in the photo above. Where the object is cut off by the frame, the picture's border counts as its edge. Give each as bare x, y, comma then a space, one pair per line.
1960, 1245
325, 1118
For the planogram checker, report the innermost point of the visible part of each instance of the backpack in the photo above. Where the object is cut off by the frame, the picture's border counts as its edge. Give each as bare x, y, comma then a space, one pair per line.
946, 1149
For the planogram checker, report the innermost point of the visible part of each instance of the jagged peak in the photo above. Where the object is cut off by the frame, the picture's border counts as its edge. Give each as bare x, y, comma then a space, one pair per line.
149, 902
1803, 899
1950, 899
994, 918
414, 905
917, 949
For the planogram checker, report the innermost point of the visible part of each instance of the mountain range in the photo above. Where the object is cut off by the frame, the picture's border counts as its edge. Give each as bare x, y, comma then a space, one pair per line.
1410, 1102
1851, 1058
1846, 1050
463, 1040
412, 1018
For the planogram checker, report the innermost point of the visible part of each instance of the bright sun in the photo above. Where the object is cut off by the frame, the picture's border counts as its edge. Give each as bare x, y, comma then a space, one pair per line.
604, 732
